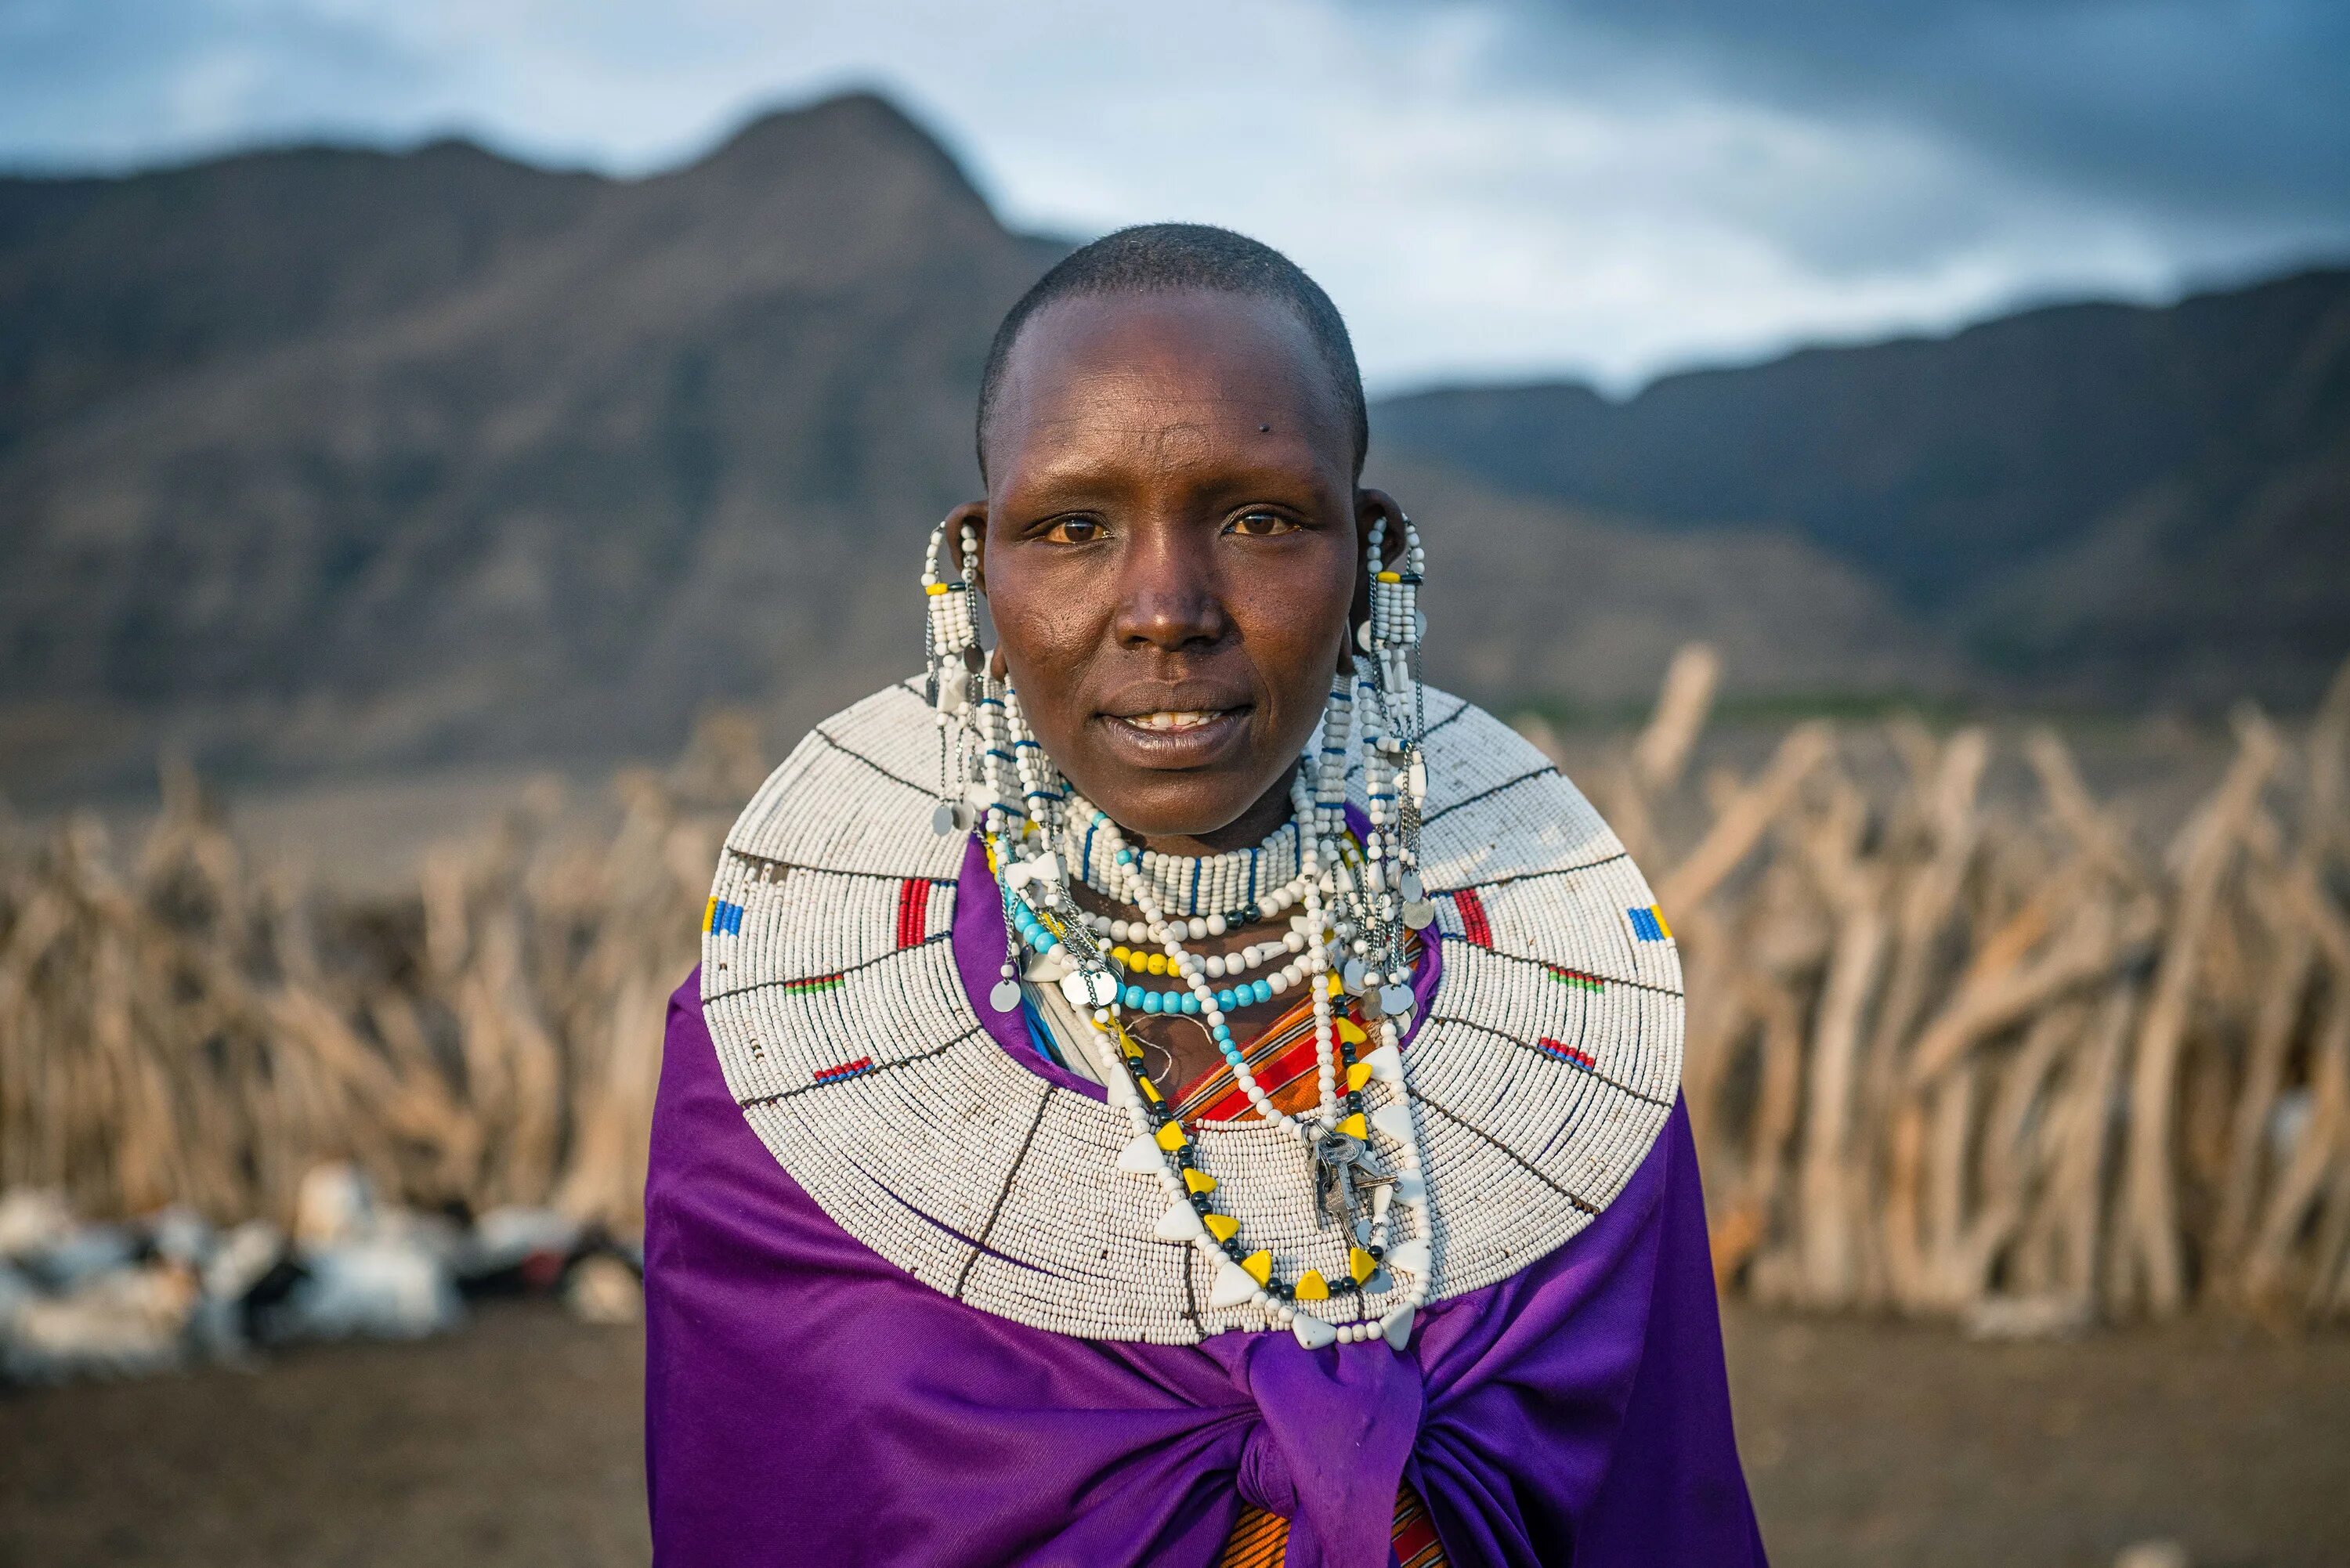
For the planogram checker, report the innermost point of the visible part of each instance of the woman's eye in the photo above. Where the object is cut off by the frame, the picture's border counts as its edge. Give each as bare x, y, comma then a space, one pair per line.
1263, 522
1075, 531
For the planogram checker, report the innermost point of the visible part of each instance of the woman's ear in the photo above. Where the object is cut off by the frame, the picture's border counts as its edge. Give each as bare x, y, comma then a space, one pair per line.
975, 514
1370, 505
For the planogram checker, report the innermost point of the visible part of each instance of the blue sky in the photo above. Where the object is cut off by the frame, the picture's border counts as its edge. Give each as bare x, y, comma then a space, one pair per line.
1503, 187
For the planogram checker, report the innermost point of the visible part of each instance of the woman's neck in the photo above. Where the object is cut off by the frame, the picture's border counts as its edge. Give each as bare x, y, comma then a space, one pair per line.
1246, 831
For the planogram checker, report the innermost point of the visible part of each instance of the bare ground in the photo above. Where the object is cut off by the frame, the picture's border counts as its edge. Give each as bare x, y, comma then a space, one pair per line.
515, 1443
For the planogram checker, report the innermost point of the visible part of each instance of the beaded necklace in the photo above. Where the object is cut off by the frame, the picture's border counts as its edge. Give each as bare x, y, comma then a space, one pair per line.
1537, 1075
1213, 890
1338, 1134
1036, 838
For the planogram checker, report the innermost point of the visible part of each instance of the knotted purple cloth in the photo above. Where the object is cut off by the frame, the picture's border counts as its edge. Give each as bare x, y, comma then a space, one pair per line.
808, 1403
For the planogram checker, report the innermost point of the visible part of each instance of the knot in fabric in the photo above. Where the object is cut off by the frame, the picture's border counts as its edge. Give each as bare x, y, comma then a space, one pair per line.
1264, 1479
1328, 1454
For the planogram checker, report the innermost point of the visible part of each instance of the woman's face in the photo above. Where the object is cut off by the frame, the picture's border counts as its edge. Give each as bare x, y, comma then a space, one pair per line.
1172, 539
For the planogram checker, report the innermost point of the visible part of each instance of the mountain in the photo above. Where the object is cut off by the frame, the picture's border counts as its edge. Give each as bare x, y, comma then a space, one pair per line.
1530, 602
328, 457
2109, 501
408, 455
110, 284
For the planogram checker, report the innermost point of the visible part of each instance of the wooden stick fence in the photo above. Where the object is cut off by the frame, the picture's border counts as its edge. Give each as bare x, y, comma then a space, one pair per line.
1953, 1050
192, 1032
1957, 1056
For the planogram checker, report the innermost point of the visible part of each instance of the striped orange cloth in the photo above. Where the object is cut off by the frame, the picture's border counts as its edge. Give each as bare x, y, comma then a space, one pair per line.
1281, 1059
1260, 1539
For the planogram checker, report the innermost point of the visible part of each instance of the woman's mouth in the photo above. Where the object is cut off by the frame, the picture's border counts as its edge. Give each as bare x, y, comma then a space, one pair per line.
1175, 737
1167, 722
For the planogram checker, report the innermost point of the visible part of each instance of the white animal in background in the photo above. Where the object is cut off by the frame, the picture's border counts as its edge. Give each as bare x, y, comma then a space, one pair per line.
335, 1203
121, 1323
390, 1290
33, 1220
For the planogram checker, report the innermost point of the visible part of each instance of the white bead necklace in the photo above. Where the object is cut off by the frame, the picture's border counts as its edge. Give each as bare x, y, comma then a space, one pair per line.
1338, 1131
1238, 886
1039, 834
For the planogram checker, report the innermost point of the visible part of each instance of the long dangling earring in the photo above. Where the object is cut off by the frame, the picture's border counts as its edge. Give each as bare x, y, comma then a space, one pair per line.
993, 774
1395, 768
953, 663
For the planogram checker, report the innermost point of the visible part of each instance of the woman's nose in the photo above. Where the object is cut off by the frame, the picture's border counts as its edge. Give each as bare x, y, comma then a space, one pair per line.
1168, 597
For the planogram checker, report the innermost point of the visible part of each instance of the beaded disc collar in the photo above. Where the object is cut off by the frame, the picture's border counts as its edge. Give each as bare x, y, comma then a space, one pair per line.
1545, 1067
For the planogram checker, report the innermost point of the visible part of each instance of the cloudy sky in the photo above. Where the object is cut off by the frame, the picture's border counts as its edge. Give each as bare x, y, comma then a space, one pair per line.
1492, 187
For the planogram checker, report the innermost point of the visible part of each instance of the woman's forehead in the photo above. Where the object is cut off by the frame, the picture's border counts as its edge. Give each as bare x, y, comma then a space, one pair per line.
1163, 376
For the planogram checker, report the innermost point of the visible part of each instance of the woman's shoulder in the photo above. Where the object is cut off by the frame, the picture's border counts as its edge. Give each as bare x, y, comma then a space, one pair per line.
857, 795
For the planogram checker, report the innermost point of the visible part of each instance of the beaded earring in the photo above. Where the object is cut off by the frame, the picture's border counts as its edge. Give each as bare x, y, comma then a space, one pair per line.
954, 664
1395, 770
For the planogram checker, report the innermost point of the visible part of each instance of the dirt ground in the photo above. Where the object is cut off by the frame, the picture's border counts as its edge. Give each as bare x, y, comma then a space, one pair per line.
514, 1442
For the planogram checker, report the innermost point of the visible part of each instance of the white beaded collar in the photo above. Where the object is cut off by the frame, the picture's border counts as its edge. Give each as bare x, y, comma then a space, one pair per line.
1544, 1070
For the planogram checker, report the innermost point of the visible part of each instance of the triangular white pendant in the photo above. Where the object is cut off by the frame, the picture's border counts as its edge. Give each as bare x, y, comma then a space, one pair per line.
1180, 1223
1234, 1286
1311, 1332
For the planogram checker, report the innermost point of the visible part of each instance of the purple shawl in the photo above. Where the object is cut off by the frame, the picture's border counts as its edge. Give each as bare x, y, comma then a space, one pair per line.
807, 1402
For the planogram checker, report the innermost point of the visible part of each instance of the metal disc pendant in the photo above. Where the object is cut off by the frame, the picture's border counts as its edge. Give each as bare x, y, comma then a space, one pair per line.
1394, 1000
1420, 915
1408, 885
942, 820
1089, 988
1005, 996
1353, 977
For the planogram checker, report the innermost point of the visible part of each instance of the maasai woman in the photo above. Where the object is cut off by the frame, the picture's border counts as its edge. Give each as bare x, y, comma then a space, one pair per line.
1172, 1088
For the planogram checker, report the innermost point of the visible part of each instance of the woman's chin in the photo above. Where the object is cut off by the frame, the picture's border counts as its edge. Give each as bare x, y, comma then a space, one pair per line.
1158, 804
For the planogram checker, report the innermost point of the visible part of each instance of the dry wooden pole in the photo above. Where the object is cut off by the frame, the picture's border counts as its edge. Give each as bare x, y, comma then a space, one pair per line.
1855, 890
2324, 1138
2149, 1200
1741, 825
2291, 967
1662, 751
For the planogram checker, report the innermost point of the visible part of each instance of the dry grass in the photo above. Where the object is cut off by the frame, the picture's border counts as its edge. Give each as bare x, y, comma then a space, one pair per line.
1947, 1055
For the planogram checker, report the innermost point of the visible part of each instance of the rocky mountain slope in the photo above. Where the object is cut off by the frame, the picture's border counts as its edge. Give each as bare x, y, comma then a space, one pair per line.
2110, 501
347, 458
552, 479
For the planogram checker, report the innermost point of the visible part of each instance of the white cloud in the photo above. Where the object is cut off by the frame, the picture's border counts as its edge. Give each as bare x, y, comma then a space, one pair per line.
1471, 216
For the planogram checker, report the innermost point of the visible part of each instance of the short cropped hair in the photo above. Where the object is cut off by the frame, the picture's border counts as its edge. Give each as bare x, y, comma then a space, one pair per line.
1166, 258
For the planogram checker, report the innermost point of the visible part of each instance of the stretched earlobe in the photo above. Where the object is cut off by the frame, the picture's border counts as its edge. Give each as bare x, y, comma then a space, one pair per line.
1378, 511
967, 522
1376, 516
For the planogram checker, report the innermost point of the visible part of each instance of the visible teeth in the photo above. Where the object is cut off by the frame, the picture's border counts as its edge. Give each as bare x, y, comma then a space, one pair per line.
1189, 719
